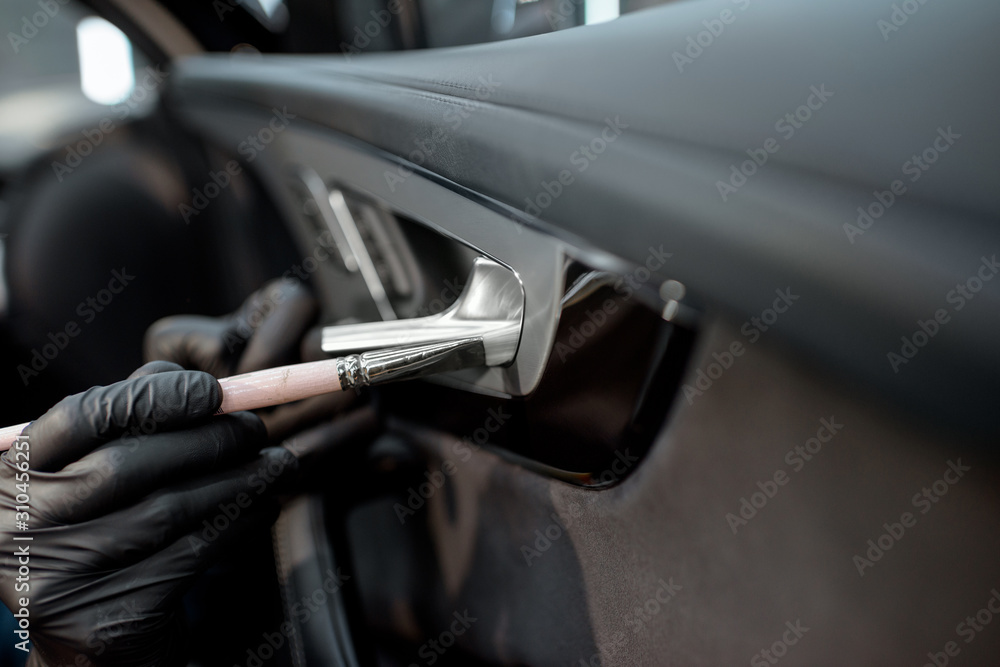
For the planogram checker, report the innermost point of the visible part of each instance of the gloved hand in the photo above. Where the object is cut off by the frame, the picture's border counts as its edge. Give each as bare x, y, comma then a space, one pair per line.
270, 329
134, 489
266, 331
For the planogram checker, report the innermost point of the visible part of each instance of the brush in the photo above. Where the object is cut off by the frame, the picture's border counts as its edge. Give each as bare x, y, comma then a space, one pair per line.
482, 328
284, 384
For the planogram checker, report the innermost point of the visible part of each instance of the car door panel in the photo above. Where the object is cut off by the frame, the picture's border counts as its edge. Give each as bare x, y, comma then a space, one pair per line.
770, 462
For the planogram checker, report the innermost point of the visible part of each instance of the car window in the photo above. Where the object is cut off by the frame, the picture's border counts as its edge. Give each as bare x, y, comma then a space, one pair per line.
62, 70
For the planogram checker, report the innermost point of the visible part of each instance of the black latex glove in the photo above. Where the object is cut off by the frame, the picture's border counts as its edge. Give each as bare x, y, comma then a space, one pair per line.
270, 329
134, 489
266, 331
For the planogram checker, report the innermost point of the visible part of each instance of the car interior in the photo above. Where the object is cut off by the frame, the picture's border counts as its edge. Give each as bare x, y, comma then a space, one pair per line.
743, 252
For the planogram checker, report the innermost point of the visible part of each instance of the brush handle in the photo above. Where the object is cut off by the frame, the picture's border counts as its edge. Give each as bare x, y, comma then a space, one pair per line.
250, 391
9, 434
275, 386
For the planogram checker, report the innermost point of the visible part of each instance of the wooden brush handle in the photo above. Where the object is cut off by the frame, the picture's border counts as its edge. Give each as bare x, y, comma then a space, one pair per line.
250, 391
275, 386
9, 434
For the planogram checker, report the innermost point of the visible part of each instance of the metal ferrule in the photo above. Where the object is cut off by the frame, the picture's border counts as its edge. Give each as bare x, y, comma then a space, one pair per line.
349, 372
409, 361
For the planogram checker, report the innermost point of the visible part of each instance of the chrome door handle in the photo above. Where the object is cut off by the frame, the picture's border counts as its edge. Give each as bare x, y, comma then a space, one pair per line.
490, 308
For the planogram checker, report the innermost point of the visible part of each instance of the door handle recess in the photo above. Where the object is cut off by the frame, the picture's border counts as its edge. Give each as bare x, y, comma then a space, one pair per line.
490, 308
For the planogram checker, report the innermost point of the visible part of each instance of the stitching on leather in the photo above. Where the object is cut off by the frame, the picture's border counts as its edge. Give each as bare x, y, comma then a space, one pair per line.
450, 84
499, 99
460, 102
522, 102
495, 103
